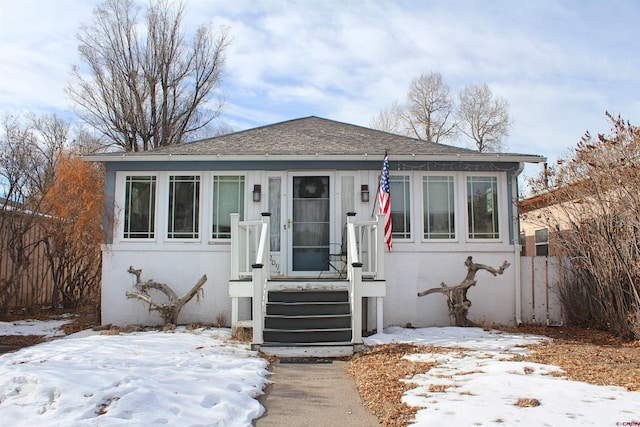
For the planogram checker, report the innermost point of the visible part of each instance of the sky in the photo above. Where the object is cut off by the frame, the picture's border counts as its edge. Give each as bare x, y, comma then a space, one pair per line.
129, 379
559, 63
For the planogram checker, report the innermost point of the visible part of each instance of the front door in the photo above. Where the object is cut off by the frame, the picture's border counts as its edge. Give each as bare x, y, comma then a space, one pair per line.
309, 223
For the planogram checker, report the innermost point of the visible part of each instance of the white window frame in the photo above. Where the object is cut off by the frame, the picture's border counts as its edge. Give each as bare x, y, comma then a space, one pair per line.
455, 198
121, 195
201, 199
210, 178
501, 206
409, 209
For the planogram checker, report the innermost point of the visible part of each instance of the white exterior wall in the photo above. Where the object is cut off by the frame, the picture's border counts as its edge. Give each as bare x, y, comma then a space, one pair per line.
414, 265
180, 267
493, 298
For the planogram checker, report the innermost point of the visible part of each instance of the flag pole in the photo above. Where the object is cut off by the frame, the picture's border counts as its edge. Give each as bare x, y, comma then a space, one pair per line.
375, 203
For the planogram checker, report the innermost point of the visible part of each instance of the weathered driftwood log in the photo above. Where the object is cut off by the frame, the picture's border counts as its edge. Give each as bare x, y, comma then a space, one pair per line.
457, 295
168, 311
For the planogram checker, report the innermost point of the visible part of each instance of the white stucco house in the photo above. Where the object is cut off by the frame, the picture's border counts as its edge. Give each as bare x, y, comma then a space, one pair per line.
283, 221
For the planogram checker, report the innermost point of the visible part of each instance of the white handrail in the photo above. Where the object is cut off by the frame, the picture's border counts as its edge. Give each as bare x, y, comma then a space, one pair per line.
261, 253
260, 274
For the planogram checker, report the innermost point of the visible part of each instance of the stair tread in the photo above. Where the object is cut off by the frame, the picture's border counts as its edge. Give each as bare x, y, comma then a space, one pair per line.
308, 344
303, 303
307, 330
307, 316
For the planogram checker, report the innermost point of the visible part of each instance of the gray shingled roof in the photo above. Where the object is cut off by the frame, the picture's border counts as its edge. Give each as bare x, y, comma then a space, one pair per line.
308, 136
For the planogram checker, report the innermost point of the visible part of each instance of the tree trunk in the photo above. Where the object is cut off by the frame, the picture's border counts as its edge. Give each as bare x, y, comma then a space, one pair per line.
168, 311
457, 300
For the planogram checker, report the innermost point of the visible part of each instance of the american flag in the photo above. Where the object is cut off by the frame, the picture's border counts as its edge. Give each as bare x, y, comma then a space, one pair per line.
384, 202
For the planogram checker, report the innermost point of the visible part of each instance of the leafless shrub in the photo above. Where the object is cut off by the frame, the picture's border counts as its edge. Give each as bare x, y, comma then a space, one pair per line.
590, 202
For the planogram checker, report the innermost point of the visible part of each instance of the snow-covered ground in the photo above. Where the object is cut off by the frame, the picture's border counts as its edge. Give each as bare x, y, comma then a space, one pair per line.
202, 378
185, 378
482, 385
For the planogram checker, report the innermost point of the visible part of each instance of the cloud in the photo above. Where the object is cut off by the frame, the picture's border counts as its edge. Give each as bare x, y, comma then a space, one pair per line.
560, 63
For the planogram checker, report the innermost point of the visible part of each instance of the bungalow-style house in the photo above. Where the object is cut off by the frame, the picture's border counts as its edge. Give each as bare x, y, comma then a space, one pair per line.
283, 221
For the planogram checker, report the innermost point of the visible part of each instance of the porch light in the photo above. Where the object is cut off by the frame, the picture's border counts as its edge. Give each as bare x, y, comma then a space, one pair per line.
256, 192
364, 192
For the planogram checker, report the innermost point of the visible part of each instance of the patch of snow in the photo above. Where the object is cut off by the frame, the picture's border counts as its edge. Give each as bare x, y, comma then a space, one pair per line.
48, 328
184, 377
481, 385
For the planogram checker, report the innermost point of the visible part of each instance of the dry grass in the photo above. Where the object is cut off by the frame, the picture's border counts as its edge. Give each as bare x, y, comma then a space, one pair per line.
585, 355
83, 318
527, 402
243, 335
588, 355
377, 375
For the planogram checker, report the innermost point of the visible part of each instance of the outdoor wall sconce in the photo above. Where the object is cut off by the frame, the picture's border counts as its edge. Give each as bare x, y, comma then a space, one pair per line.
256, 192
364, 193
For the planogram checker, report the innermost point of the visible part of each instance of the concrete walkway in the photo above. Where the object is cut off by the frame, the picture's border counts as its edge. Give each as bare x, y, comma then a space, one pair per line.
313, 394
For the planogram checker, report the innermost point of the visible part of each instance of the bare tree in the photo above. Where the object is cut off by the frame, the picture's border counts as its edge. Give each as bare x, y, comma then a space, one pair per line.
427, 113
590, 203
50, 213
29, 150
144, 85
388, 120
483, 118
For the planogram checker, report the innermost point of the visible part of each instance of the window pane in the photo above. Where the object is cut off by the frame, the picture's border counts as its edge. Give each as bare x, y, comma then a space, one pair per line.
275, 201
140, 207
400, 207
184, 203
439, 211
482, 207
542, 236
228, 198
542, 242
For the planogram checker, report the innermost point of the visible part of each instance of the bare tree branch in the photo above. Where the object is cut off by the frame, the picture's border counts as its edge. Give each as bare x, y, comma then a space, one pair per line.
483, 118
145, 85
457, 295
168, 311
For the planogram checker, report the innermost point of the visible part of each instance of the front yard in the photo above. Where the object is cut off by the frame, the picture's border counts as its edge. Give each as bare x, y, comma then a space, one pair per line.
461, 376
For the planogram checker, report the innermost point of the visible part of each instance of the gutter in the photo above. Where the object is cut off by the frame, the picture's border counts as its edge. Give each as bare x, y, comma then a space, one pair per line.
517, 248
157, 157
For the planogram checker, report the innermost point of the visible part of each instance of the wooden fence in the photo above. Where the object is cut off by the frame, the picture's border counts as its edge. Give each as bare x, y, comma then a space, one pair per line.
540, 280
35, 282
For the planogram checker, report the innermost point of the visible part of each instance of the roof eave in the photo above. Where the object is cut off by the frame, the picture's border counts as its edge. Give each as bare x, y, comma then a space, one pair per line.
470, 157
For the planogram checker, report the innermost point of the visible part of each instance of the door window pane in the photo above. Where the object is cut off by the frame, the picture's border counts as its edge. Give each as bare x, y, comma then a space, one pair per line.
482, 207
400, 207
184, 206
439, 214
311, 229
228, 198
140, 207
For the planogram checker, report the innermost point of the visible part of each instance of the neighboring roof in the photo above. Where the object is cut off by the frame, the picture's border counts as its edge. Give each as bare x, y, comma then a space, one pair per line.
312, 137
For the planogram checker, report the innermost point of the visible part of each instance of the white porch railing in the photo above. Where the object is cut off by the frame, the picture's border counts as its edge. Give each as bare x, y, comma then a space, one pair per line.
370, 246
365, 258
245, 238
250, 258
